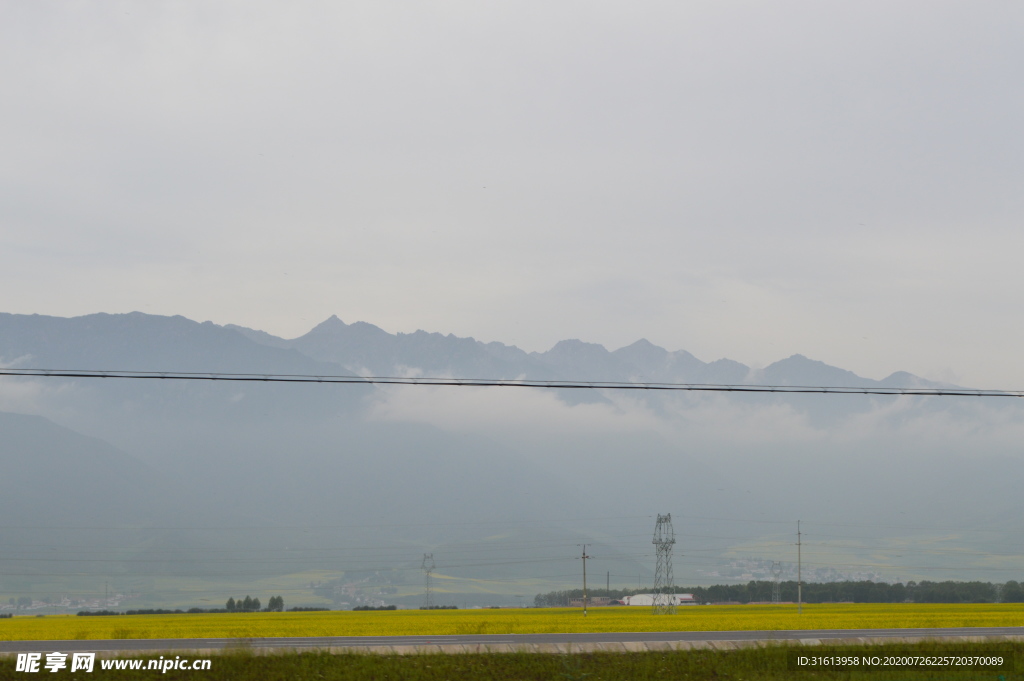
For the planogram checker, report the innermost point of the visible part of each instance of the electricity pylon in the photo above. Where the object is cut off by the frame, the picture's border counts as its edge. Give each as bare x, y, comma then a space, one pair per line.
428, 567
664, 589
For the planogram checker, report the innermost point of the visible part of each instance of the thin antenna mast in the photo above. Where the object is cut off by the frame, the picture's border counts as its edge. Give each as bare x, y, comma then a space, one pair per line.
776, 587
799, 574
427, 566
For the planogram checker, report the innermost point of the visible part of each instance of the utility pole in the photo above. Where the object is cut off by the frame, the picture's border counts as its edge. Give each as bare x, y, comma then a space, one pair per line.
799, 574
428, 567
584, 557
608, 582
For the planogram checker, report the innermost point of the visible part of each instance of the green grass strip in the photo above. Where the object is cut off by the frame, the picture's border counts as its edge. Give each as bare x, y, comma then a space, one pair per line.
752, 664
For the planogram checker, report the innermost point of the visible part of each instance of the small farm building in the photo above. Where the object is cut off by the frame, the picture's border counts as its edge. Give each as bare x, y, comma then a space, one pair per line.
648, 599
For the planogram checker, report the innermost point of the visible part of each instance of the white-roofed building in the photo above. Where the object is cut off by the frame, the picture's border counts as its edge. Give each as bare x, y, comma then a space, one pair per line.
648, 599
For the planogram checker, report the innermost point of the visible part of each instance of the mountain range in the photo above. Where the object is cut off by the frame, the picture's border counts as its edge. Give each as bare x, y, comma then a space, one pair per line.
352, 477
364, 348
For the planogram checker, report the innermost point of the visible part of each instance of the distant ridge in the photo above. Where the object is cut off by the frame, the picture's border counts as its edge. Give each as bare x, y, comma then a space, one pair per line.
361, 347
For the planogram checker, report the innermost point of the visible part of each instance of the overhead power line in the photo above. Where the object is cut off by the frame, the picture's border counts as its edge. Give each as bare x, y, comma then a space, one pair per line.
506, 383
263, 528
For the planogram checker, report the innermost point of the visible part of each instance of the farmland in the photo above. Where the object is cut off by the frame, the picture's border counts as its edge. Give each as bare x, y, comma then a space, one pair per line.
510, 621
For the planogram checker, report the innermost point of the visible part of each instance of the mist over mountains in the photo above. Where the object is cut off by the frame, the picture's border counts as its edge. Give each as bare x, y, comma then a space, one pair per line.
379, 475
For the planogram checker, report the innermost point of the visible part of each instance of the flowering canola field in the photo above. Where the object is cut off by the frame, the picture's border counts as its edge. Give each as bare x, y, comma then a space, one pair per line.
510, 621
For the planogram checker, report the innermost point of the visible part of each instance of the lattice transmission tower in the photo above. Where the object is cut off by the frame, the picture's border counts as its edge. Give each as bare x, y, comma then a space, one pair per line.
428, 568
664, 588
776, 586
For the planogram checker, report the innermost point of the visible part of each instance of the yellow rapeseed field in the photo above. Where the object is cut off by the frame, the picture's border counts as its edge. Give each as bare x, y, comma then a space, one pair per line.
510, 621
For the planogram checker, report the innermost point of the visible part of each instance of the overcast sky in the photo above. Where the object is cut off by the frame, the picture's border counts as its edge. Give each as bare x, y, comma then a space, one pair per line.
738, 179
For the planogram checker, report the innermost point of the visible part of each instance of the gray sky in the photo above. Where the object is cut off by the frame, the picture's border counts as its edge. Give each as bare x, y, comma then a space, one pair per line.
740, 179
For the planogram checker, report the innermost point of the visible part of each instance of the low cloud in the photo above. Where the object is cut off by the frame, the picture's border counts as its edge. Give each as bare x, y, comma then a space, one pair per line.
26, 396
713, 422
508, 411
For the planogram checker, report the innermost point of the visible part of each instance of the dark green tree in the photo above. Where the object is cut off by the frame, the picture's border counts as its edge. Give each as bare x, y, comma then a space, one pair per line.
1012, 592
230, 605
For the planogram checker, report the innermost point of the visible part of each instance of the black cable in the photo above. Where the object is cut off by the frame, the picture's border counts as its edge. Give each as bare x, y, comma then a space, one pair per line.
505, 383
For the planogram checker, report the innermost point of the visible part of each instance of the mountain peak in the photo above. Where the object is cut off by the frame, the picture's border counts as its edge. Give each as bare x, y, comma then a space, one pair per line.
646, 345
642, 351
643, 346
800, 370
576, 346
903, 379
332, 322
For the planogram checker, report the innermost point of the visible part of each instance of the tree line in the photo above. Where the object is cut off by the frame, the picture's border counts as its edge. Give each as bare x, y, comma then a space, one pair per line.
821, 592
248, 604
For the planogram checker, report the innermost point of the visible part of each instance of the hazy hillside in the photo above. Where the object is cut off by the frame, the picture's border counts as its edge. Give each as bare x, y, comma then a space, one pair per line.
53, 476
269, 479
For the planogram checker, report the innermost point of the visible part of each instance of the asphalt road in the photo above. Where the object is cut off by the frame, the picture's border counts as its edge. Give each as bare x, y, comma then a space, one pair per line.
299, 643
